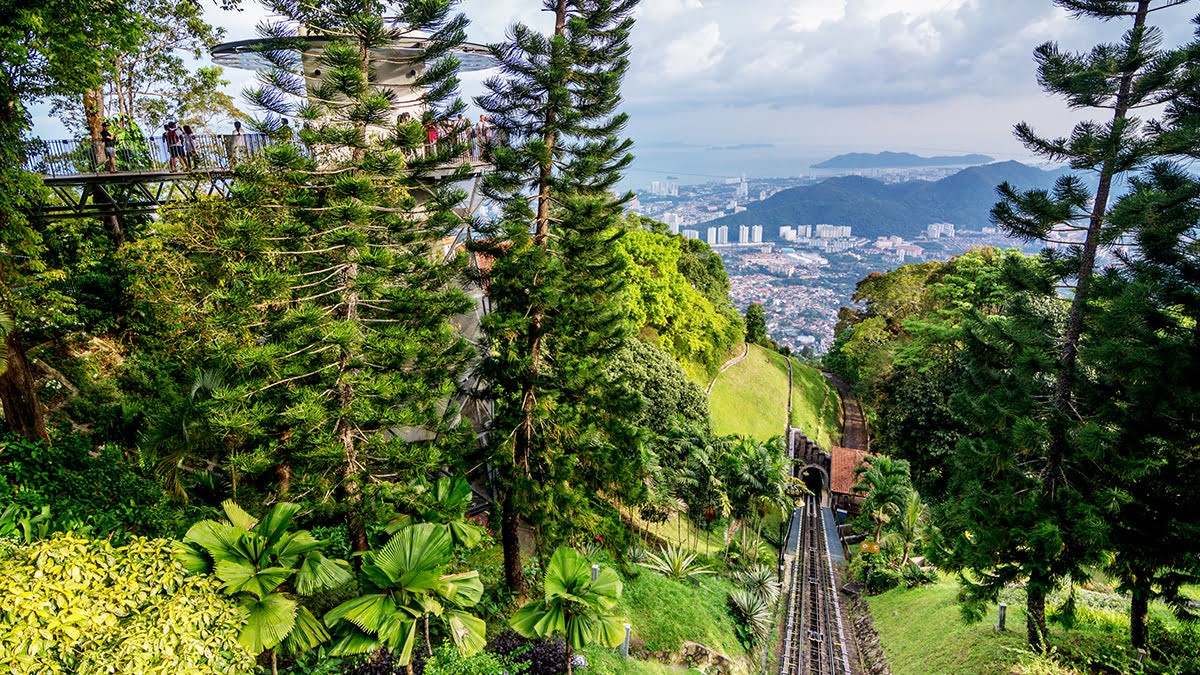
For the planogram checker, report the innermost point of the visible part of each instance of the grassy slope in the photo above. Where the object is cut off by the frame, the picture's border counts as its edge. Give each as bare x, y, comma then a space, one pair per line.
816, 407
925, 636
664, 614
751, 397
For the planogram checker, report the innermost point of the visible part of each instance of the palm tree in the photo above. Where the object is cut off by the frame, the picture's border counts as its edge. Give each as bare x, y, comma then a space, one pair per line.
407, 583
446, 502
913, 516
575, 605
886, 484
263, 566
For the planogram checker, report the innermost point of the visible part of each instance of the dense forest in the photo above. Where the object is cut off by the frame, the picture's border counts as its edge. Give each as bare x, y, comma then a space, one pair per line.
329, 420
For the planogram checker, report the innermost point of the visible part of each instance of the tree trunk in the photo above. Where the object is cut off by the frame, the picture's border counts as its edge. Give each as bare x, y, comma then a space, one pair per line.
510, 540
352, 473
274, 663
93, 110
18, 393
1139, 611
1035, 617
283, 478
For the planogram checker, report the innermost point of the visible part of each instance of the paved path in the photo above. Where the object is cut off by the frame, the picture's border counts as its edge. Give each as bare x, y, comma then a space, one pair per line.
729, 364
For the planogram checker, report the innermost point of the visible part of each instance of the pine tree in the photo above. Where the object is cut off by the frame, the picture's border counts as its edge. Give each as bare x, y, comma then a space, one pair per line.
554, 285
328, 287
1146, 351
1122, 77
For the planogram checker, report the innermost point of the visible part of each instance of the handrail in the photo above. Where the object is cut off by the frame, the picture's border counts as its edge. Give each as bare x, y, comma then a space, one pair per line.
69, 157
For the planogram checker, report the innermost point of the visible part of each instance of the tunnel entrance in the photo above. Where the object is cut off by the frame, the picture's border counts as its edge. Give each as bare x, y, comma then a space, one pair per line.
814, 479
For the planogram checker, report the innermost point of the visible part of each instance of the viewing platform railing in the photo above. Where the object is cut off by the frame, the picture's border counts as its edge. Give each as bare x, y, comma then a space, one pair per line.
72, 157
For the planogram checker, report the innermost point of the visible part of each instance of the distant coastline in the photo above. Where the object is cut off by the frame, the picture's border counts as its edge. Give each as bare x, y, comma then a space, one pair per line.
898, 160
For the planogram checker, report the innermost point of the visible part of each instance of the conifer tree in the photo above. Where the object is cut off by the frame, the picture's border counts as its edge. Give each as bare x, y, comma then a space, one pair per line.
1135, 73
1146, 351
328, 287
555, 283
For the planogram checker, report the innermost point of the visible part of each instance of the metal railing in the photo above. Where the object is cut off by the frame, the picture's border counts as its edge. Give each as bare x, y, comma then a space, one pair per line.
134, 153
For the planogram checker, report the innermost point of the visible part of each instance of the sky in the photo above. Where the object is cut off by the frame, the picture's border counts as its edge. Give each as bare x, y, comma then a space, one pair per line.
803, 80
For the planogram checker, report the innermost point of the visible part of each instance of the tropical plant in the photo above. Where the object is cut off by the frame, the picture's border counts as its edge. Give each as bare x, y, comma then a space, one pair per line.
264, 566
575, 604
24, 525
447, 502
762, 581
910, 522
752, 611
886, 484
407, 582
76, 605
675, 563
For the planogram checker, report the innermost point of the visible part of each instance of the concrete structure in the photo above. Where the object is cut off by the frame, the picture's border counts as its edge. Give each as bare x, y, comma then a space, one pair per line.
743, 234
825, 231
756, 234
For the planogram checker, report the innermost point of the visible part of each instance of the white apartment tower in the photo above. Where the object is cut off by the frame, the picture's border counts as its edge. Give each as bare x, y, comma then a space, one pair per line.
756, 234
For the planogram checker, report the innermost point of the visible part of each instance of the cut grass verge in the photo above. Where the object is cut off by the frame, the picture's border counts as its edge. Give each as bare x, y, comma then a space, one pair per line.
816, 406
750, 399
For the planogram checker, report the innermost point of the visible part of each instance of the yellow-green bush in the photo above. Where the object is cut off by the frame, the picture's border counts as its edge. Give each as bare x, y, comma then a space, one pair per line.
73, 605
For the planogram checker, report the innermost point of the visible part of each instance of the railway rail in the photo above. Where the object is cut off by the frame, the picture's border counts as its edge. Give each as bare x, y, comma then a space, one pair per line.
814, 643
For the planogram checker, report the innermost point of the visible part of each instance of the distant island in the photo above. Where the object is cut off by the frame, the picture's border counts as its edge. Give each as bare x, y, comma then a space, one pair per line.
897, 160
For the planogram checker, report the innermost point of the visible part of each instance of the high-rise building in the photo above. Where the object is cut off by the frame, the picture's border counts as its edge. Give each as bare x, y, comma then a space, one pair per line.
825, 231
691, 234
712, 236
756, 234
723, 234
743, 234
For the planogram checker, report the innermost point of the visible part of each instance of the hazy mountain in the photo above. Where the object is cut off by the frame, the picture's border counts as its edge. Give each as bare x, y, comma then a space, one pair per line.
897, 160
876, 209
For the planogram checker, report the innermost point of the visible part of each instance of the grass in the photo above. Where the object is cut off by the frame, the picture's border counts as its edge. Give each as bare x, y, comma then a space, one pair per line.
683, 534
816, 407
750, 399
666, 613
922, 634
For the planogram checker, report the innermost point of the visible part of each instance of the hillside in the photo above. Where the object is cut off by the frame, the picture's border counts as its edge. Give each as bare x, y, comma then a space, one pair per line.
875, 209
897, 160
751, 399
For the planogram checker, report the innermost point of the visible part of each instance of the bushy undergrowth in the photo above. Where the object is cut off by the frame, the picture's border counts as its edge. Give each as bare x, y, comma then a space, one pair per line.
99, 494
534, 657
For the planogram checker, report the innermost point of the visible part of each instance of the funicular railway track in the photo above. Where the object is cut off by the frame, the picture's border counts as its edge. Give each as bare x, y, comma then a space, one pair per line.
813, 642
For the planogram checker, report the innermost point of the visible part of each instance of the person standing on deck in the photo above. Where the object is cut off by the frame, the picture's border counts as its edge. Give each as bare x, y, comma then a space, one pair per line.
110, 147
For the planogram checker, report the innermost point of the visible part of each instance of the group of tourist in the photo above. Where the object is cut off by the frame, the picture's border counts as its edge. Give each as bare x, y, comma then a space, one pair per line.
187, 152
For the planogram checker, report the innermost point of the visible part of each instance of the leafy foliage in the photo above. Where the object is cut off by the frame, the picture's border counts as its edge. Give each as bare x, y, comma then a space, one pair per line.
406, 582
262, 564
675, 563
102, 493
84, 606
688, 325
575, 605
666, 392
543, 656
754, 612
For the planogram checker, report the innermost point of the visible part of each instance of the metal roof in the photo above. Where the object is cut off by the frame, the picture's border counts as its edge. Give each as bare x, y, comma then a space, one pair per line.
244, 53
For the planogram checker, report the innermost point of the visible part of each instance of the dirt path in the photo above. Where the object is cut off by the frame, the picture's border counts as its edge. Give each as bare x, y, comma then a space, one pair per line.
729, 364
855, 433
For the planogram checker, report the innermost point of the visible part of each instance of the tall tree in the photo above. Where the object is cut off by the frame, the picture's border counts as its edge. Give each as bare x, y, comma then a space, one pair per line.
326, 275
555, 278
1134, 73
756, 324
1145, 350
43, 52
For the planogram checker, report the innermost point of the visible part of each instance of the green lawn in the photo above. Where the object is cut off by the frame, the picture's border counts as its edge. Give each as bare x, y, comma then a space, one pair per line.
922, 634
664, 614
750, 398
816, 407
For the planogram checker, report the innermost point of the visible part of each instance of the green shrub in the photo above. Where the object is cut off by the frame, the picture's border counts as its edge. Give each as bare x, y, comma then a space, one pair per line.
448, 661
913, 576
881, 579
82, 606
753, 614
103, 493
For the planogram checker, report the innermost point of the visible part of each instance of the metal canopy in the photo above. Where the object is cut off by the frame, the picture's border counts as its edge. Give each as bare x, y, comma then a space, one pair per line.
244, 53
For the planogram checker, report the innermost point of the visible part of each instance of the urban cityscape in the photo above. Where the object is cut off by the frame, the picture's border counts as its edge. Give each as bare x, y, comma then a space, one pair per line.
802, 273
